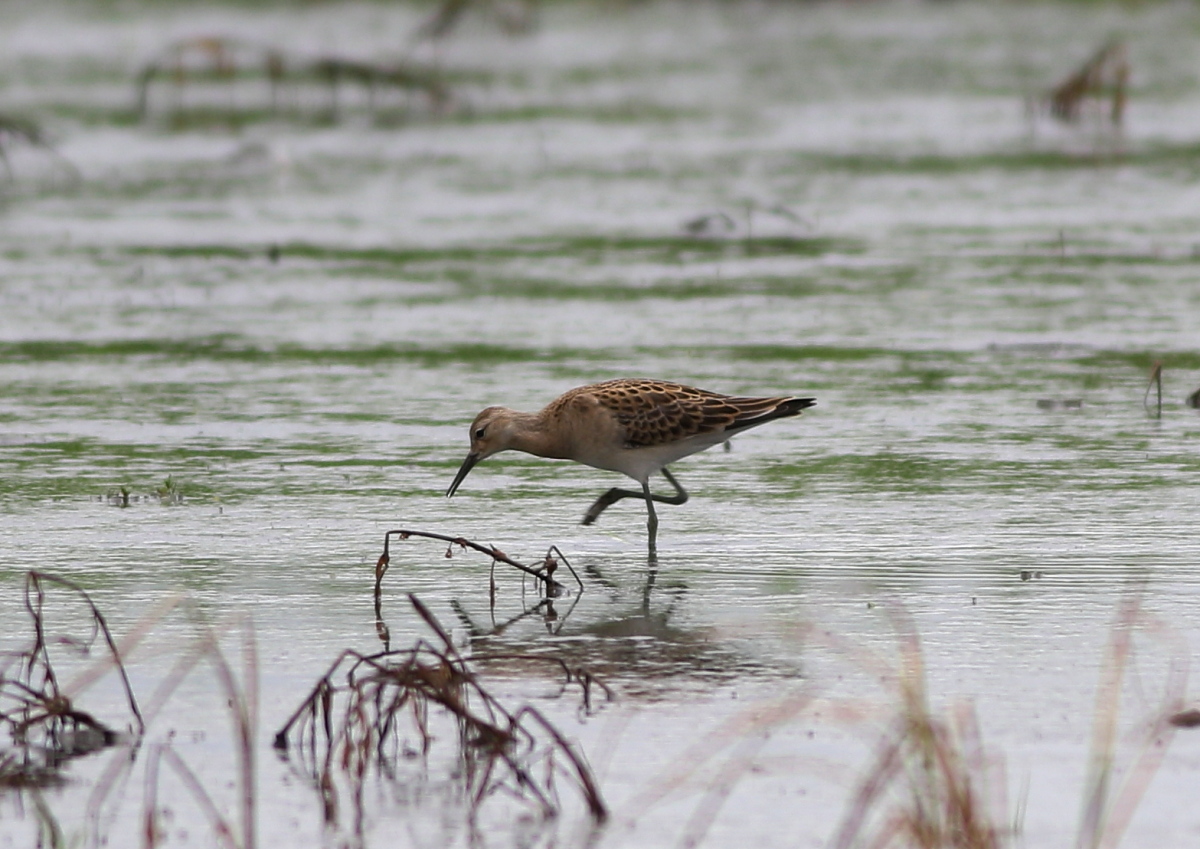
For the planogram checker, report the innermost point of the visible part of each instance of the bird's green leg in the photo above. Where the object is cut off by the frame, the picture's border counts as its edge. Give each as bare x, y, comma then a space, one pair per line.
651, 521
616, 494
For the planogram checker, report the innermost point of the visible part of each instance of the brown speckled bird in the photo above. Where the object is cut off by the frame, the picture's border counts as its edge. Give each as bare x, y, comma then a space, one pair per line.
634, 426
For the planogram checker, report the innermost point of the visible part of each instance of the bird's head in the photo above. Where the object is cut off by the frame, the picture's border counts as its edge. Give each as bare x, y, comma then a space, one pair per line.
491, 432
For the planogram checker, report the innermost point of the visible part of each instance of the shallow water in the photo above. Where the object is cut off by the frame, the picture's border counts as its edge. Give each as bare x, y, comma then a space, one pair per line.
901, 241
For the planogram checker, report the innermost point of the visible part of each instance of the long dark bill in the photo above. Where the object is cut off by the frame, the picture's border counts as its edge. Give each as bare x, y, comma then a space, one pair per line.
463, 470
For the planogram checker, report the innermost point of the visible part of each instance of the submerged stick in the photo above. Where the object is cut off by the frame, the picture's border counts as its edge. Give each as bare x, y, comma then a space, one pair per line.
543, 573
1155, 383
13, 128
353, 723
34, 589
1105, 73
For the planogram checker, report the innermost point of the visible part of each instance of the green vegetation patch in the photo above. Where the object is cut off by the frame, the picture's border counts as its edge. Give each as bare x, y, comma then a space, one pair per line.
227, 348
825, 353
1178, 156
910, 472
668, 248
1087, 469
619, 113
1141, 360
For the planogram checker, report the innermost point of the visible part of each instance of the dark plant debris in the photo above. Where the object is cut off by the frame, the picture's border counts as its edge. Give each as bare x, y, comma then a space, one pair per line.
16, 131
46, 727
383, 715
543, 572
1156, 372
1105, 75
212, 61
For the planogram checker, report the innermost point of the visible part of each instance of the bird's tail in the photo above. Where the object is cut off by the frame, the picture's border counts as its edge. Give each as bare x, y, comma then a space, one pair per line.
763, 410
792, 407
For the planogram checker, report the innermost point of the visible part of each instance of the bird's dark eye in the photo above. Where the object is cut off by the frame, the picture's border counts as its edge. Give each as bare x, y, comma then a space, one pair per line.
479, 433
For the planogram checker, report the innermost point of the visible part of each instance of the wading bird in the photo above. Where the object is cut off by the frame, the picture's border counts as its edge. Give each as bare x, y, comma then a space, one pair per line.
634, 426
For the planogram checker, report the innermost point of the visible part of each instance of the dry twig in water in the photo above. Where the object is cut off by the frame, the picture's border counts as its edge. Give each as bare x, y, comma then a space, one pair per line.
219, 62
40, 712
381, 715
14, 130
1155, 383
1105, 74
544, 572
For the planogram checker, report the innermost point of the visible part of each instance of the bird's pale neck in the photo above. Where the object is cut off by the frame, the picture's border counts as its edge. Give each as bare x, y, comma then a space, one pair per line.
529, 432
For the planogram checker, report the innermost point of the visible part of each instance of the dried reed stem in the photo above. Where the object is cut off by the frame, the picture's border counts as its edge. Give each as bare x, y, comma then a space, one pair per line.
344, 731
543, 572
1155, 383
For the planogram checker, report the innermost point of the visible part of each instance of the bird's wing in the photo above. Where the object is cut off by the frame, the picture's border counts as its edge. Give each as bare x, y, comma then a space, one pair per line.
656, 412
